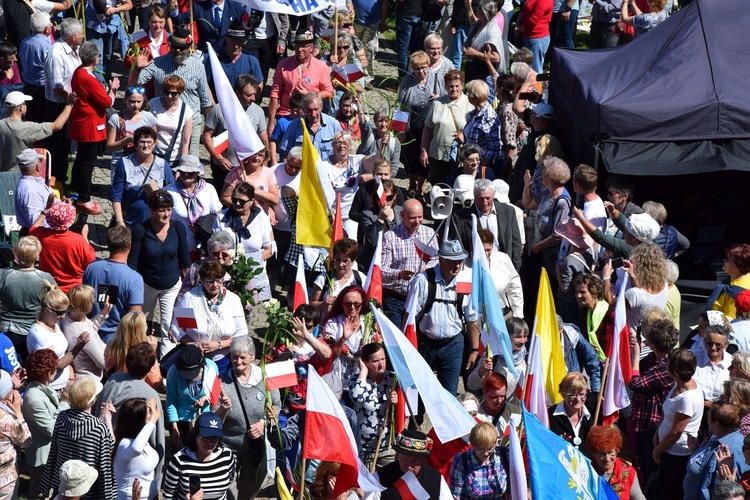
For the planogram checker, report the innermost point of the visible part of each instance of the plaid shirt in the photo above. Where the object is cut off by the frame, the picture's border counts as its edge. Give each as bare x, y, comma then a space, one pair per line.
399, 252
292, 255
483, 129
470, 479
650, 389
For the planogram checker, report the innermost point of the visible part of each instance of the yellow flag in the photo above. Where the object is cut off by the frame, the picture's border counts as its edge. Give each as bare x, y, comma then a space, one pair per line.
313, 225
284, 493
545, 325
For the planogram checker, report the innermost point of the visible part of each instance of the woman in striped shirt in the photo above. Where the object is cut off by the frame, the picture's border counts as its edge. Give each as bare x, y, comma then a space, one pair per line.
204, 465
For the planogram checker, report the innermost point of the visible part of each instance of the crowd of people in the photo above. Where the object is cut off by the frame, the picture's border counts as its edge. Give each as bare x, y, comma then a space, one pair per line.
109, 366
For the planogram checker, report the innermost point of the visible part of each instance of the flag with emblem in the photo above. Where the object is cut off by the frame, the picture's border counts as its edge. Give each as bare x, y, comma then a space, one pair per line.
399, 121
326, 425
313, 227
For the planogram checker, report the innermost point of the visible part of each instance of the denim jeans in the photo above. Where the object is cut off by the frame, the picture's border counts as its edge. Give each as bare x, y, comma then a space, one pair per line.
446, 361
105, 42
408, 40
459, 38
565, 30
538, 47
393, 308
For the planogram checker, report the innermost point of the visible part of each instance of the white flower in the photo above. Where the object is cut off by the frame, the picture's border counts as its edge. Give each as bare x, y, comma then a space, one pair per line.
240, 250
270, 304
231, 254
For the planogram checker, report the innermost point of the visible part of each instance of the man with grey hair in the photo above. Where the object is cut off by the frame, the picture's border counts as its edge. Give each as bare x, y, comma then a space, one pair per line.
31, 55
498, 217
33, 196
728, 490
16, 134
320, 126
62, 60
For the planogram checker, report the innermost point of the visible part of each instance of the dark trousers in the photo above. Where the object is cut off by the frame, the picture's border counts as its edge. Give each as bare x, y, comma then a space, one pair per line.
58, 143
35, 107
219, 175
603, 35
393, 308
83, 169
445, 358
439, 169
277, 264
265, 51
673, 470
19, 343
644, 448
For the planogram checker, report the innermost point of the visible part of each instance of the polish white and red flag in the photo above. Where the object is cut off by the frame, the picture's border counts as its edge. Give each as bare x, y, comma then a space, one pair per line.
382, 195
425, 251
346, 74
221, 142
300, 284
281, 374
619, 372
212, 382
374, 281
326, 424
409, 488
399, 121
534, 393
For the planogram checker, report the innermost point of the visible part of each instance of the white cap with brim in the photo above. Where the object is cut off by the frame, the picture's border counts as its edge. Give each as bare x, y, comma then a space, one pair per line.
16, 98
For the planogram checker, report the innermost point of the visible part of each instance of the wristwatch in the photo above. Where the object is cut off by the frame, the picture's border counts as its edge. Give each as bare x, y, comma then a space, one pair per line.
567, 8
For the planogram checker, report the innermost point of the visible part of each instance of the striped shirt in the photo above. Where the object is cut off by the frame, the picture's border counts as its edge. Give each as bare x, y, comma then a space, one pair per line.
196, 94
399, 252
216, 474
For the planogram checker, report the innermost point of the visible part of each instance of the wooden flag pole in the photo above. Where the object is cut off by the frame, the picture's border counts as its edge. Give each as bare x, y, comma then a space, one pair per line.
335, 50
302, 480
601, 392
382, 433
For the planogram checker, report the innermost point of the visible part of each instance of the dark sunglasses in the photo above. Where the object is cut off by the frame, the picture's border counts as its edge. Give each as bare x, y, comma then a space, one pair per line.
346, 25
355, 305
344, 47
171, 92
240, 201
59, 313
390, 197
713, 344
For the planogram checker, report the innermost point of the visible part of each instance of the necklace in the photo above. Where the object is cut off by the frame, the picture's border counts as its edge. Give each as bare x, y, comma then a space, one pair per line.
213, 304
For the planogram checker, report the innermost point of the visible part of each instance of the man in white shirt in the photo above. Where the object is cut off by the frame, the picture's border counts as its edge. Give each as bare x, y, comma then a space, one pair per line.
287, 179
62, 60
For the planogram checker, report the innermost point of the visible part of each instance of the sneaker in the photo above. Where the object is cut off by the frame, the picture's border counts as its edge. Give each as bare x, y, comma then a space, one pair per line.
89, 208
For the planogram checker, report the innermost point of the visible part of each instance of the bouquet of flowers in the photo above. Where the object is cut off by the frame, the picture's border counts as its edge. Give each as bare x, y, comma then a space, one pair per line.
241, 272
279, 336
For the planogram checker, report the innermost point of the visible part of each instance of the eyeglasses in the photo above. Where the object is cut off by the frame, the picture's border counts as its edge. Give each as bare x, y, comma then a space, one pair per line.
571, 395
345, 47
59, 313
239, 201
223, 255
171, 93
213, 282
710, 344
390, 197
355, 305
346, 25
421, 68
136, 90
343, 261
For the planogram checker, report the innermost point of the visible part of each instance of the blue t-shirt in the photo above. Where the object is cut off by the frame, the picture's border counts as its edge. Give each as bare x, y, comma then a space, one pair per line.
282, 123
367, 11
247, 64
8, 358
130, 287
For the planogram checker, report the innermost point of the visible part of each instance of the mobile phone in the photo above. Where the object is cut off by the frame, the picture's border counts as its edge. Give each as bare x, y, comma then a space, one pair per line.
530, 96
113, 292
542, 77
617, 263
195, 484
101, 293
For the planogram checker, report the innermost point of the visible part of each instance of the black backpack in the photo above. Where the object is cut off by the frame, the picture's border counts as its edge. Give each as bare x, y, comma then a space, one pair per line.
431, 292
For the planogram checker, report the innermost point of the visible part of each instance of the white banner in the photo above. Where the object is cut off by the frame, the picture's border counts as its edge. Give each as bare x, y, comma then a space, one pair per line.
291, 7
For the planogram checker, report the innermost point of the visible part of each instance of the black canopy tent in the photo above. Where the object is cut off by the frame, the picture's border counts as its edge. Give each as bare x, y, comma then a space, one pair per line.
674, 101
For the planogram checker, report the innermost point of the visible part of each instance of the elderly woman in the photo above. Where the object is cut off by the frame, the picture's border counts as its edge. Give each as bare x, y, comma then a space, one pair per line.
78, 435
222, 248
379, 216
15, 432
604, 444
376, 137
415, 96
483, 126
589, 293
518, 331
219, 316
205, 456
160, 255
470, 159
76, 322
737, 267
20, 287
478, 472
122, 126
439, 64
343, 171
344, 327
174, 120
253, 171
245, 417
351, 116
133, 173
484, 36
325, 290
88, 121
46, 333
344, 55
444, 124
41, 405
570, 419
251, 228
193, 198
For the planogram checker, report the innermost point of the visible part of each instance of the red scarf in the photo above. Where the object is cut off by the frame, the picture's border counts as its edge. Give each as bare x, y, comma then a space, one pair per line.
622, 479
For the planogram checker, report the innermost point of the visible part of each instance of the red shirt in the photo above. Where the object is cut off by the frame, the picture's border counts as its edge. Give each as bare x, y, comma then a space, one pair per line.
65, 255
88, 119
536, 16
316, 77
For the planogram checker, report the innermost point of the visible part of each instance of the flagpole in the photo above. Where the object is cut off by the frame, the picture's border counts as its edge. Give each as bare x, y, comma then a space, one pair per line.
601, 391
302, 479
336, 34
422, 263
526, 375
382, 433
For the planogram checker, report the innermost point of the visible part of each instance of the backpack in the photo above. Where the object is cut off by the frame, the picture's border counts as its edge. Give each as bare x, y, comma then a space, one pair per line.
431, 292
